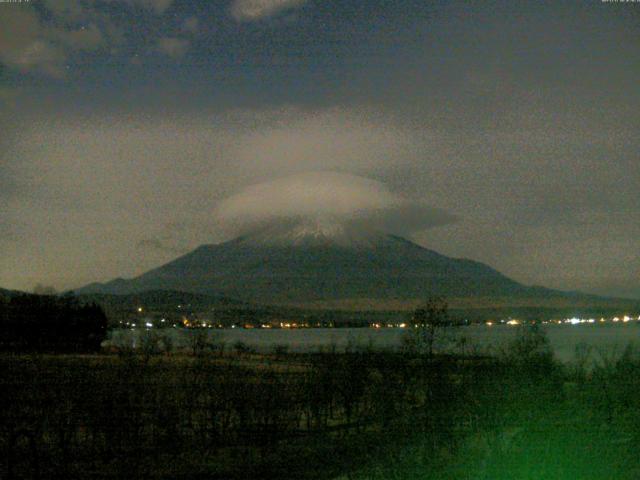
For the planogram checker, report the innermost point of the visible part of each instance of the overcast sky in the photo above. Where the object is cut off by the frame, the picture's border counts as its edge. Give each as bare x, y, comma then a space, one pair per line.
125, 123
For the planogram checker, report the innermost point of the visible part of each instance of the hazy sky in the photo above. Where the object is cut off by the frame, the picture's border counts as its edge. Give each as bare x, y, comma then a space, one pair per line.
125, 123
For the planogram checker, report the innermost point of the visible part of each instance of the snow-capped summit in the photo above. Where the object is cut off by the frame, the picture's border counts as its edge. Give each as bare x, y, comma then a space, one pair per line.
315, 231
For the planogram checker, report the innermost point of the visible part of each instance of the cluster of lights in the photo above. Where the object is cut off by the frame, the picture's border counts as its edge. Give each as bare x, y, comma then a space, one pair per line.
577, 321
389, 325
198, 324
293, 325
148, 324
625, 319
511, 322
569, 321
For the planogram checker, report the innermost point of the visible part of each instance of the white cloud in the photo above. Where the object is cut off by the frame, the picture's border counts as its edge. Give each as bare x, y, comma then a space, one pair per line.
157, 6
39, 55
191, 25
28, 45
44, 44
174, 47
84, 38
327, 195
307, 194
69, 9
252, 10
293, 140
23, 43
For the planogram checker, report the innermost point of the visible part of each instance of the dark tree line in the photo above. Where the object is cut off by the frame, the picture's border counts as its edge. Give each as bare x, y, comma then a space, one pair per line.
279, 416
130, 416
50, 323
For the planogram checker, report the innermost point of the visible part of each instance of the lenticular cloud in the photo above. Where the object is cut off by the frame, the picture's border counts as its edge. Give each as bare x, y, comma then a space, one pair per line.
327, 195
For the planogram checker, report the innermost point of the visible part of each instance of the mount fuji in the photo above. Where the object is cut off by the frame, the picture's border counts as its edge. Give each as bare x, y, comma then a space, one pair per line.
320, 259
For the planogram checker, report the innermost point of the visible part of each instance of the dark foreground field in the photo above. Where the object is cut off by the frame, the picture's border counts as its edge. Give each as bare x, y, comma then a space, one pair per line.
357, 414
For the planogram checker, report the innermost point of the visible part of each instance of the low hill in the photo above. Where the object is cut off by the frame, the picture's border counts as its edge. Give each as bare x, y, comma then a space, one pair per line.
161, 299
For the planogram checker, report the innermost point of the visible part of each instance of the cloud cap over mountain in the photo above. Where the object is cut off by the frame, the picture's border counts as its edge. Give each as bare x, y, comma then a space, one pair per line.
329, 196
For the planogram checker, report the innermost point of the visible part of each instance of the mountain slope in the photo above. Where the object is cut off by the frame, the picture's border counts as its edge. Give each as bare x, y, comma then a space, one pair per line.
160, 299
323, 261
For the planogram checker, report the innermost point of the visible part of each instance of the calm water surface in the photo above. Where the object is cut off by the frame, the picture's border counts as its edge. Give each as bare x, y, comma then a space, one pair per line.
609, 339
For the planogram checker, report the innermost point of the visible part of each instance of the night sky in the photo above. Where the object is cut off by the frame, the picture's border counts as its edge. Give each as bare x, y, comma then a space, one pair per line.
124, 124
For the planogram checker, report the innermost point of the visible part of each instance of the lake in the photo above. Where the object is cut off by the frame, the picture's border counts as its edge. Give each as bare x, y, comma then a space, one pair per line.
609, 339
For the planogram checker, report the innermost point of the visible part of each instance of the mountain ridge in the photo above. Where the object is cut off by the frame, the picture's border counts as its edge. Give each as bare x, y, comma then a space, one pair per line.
301, 263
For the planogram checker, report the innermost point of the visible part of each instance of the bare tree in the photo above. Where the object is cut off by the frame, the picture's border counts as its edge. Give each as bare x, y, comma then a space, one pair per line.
429, 319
